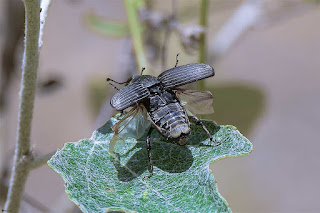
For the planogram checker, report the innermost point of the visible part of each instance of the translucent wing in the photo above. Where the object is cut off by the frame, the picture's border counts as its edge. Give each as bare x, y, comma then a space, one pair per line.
197, 102
132, 125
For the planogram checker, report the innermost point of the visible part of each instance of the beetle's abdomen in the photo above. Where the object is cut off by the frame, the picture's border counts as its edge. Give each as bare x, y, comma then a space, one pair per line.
172, 118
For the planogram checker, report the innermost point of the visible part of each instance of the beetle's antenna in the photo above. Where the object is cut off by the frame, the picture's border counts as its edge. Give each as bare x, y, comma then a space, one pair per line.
114, 86
177, 60
109, 79
143, 68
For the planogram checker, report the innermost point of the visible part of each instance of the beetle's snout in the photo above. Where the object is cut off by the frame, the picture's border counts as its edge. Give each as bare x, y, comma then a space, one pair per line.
183, 140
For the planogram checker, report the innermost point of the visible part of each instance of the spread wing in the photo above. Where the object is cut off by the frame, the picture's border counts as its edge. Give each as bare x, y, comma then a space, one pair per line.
197, 102
185, 74
132, 125
128, 96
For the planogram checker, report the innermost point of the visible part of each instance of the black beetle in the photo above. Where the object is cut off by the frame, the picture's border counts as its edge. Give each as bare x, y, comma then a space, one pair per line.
158, 103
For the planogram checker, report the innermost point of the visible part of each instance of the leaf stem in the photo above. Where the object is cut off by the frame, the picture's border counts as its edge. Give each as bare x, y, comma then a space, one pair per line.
41, 160
135, 32
203, 21
23, 154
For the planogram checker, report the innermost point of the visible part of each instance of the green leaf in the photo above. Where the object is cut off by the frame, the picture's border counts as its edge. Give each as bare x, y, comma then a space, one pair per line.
182, 181
105, 27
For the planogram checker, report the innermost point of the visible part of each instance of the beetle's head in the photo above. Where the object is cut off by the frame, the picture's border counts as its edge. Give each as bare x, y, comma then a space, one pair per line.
133, 78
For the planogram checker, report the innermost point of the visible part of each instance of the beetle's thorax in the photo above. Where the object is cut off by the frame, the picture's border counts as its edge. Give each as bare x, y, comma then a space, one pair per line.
145, 80
166, 112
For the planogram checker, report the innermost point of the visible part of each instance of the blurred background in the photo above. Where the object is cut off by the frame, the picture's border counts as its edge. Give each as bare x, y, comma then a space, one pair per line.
266, 54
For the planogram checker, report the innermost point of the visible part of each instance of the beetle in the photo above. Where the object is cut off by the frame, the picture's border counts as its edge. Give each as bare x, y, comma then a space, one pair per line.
159, 103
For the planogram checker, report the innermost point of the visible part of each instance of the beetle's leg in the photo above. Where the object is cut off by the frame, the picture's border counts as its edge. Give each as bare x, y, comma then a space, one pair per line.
121, 113
197, 121
150, 166
120, 116
177, 60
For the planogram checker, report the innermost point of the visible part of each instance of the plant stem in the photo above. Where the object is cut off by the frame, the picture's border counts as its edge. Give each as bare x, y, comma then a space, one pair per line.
23, 154
202, 48
167, 33
135, 32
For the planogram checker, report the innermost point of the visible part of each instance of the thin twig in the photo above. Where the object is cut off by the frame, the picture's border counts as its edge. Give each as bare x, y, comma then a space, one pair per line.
23, 154
171, 24
135, 32
164, 48
35, 203
246, 16
26, 198
202, 48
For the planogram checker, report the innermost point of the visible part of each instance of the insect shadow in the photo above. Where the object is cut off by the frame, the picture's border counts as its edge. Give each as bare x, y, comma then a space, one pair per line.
167, 156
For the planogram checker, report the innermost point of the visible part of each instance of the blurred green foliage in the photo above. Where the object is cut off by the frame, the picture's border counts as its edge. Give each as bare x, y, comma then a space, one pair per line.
237, 104
98, 91
314, 1
105, 26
